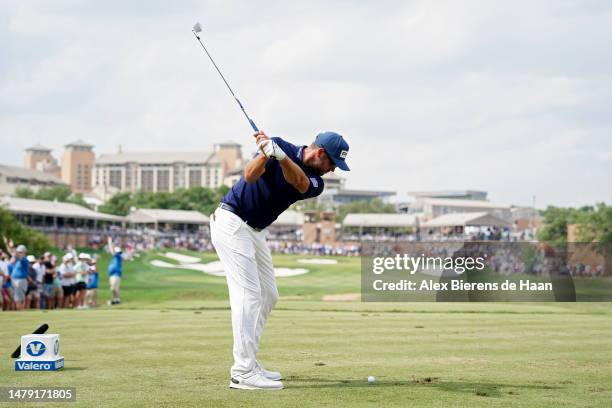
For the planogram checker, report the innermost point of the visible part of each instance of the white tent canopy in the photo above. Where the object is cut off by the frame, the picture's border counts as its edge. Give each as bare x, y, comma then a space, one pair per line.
289, 218
154, 216
379, 220
472, 219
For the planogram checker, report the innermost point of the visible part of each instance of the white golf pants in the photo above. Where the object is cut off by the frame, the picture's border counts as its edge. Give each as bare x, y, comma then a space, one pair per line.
247, 262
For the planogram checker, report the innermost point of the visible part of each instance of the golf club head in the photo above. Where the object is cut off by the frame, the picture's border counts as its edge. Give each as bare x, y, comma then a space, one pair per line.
197, 27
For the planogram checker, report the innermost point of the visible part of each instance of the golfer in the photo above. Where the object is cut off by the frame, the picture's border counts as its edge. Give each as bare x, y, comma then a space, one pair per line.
278, 176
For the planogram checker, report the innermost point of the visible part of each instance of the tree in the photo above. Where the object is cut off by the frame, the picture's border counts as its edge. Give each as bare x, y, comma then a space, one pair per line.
596, 225
374, 206
200, 199
11, 228
61, 193
592, 224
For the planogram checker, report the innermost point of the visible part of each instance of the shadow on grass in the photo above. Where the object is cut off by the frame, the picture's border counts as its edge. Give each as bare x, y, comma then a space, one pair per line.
74, 368
484, 389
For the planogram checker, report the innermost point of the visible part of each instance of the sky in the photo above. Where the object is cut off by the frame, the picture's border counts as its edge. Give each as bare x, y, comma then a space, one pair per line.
514, 98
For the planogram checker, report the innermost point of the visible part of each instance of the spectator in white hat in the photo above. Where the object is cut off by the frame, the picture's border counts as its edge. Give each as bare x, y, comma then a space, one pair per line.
66, 270
82, 271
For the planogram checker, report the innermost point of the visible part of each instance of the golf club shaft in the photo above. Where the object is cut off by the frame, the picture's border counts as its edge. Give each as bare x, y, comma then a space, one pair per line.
226, 83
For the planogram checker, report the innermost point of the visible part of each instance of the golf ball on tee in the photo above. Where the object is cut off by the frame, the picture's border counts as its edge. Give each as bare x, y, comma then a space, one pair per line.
371, 379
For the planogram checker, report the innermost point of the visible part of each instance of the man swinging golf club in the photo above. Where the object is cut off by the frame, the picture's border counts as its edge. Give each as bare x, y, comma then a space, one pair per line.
279, 175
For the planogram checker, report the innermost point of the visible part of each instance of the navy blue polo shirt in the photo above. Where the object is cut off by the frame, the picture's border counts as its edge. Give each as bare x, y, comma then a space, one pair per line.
260, 203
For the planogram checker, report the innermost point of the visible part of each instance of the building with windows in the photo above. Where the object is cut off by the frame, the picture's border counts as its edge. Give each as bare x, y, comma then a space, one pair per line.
158, 172
135, 171
76, 165
431, 204
429, 208
166, 171
39, 158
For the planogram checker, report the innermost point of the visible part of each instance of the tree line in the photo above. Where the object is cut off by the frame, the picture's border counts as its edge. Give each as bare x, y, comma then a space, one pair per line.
593, 223
201, 199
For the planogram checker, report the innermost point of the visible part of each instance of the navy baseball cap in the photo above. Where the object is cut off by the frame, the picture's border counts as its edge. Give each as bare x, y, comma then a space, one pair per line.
335, 146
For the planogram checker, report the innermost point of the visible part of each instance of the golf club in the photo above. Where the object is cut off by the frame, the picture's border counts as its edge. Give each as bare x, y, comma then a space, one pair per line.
198, 28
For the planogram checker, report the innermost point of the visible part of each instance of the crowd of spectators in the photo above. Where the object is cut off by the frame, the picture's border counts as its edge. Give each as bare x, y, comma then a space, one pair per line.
46, 281
300, 248
70, 279
150, 239
586, 270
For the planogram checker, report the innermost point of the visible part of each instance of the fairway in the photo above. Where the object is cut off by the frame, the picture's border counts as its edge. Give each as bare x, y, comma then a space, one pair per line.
175, 349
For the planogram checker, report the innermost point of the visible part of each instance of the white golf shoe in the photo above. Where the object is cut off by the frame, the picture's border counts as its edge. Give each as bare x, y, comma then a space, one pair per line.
254, 381
270, 375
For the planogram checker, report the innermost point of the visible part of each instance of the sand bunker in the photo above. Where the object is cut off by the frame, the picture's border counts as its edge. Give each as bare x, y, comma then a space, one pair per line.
216, 269
318, 261
184, 259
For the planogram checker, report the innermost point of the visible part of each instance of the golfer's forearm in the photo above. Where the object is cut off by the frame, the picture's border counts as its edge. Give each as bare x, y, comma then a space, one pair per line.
294, 175
255, 168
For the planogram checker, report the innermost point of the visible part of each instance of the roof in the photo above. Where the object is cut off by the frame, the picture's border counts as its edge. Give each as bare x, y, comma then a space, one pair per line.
157, 158
447, 193
54, 208
379, 220
289, 218
365, 193
475, 219
79, 143
28, 174
451, 202
38, 148
229, 143
150, 216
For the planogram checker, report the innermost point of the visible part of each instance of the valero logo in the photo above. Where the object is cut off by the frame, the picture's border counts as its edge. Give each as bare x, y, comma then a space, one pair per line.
36, 348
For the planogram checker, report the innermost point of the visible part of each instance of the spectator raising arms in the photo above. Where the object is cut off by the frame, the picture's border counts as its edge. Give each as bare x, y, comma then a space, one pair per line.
115, 271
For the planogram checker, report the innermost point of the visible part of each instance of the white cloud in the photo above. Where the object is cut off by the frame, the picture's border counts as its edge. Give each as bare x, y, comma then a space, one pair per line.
507, 97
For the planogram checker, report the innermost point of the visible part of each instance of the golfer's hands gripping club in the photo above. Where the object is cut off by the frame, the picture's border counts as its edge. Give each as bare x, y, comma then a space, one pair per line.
268, 147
